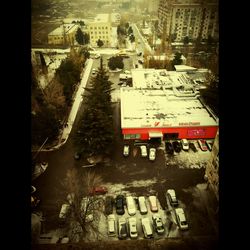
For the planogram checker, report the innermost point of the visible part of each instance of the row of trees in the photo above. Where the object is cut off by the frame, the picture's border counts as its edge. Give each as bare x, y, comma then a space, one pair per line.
95, 131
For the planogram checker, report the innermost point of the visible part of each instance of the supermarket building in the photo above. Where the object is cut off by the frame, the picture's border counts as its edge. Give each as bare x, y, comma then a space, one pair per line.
164, 105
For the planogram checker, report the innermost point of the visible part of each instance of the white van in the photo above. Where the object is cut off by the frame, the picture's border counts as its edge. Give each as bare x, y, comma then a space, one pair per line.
130, 205
111, 225
142, 205
146, 227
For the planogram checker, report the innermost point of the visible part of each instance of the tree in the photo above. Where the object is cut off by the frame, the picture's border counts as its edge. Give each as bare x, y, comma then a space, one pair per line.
177, 59
85, 209
68, 74
116, 62
81, 37
132, 38
43, 64
44, 124
95, 134
99, 43
130, 30
53, 95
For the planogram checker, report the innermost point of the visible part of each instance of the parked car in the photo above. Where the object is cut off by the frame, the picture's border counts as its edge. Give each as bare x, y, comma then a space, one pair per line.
132, 228
126, 150
98, 190
111, 225
142, 205
153, 203
152, 154
140, 61
177, 146
119, 202
192, 146
185, 144
181, 218
127, 72
169, 148
144, 151
122, 228
109, 201
158, 224
64, 211
202, 144
130, 205
172, 197
146, 227
209, 145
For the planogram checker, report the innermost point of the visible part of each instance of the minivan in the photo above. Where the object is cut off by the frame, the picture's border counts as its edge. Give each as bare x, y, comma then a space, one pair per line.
130, 205
142, 205
146, 227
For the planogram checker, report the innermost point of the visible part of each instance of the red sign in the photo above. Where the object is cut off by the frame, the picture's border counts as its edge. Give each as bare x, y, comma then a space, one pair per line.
196, 132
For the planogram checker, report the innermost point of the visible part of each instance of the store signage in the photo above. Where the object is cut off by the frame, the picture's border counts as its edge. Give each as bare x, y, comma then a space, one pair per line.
196, 132
189, 123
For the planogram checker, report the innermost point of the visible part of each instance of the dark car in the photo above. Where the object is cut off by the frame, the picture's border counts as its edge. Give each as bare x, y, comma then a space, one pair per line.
109, 205
140, 61
192, 146
169, 148
177, 146
119, 202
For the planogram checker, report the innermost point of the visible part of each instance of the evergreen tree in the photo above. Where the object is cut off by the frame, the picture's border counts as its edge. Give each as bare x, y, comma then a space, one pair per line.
95, 129
99, 43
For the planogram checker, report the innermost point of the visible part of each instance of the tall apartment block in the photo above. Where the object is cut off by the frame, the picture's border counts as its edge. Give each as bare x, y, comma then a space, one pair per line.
181, 18
212, 169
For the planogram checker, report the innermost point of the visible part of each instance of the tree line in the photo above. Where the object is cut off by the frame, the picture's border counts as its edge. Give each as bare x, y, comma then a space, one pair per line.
51, 105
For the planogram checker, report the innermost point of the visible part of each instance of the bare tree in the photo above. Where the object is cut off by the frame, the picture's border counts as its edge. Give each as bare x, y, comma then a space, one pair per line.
53, 94
85, 207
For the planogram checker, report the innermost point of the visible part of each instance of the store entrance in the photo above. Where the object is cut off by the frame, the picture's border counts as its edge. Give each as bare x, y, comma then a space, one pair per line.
170, 136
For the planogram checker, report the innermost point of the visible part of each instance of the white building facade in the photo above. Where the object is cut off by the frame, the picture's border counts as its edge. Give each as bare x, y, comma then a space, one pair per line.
100, 28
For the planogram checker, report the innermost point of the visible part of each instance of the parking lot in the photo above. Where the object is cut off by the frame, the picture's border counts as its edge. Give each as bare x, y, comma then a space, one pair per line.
138, 176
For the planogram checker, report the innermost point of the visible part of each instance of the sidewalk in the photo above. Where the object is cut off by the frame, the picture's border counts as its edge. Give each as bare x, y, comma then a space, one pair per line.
74, 109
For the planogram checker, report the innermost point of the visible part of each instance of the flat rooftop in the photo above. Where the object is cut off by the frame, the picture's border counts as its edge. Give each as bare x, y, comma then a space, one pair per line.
142, 108
102, 18
158, 78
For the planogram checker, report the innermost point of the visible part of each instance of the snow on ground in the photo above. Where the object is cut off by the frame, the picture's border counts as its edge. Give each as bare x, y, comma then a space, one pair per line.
189, 159
53, 62
115, 189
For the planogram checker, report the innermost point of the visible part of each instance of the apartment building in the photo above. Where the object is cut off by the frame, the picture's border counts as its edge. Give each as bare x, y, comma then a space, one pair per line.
181, 18
212, 170
63, 35
100, 28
